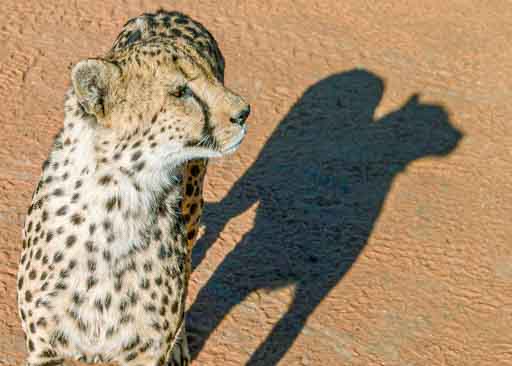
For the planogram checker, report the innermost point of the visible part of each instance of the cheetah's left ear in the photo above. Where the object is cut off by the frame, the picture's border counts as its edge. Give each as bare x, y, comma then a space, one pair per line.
92, 81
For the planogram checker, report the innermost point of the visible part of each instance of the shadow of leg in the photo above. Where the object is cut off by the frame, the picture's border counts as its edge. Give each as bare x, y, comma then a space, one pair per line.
213, 303
288, 328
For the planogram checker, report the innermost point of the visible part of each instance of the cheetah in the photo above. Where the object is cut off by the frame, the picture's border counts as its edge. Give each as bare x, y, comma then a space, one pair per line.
105, 261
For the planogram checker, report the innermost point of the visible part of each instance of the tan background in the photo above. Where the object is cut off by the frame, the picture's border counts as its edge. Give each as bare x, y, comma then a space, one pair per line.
428, 280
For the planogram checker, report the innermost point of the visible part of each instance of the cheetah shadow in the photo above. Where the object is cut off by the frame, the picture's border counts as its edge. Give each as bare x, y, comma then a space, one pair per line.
320, 180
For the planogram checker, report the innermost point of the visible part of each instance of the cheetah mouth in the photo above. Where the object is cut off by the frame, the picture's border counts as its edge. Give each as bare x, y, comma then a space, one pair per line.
235, 144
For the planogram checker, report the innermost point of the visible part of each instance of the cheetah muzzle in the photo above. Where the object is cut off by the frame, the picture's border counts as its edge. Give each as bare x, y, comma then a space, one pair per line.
104, 268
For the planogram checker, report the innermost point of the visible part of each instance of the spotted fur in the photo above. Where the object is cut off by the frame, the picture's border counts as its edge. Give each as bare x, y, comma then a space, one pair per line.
106, 244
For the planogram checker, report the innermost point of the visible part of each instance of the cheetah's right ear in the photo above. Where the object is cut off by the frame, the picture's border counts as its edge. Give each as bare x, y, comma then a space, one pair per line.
92, 81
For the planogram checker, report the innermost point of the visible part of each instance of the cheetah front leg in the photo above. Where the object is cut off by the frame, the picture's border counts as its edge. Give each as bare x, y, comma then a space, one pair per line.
191, 209
45, 362
56, 362
177, 355
41, 354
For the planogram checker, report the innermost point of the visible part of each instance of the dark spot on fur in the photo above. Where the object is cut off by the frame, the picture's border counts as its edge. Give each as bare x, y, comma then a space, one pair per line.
165, 300
113, 202
150, 308
118, 284
98, 305
107, 256
110, 332
189, 189
32, 274
77, 298
108, 301
194, 170
144, 284
107, 225
174, 307
126, 319
58, 257
91, 265
148, 266
89, 245
61, 286
110, 238
62, 211
77, 219
136, 155
137, 187
41, 322
165, 324
132, 344
49, 353
156, 327
72, 264
91, 282
75, 197
31, 345
131, 356
104, 180
162, 252
45, 165
158, 234
139, 166
70, 241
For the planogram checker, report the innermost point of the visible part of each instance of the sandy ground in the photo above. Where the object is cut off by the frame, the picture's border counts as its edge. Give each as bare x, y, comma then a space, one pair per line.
366, 218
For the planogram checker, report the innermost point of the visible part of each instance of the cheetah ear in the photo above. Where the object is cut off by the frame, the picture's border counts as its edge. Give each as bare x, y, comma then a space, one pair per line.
92, 81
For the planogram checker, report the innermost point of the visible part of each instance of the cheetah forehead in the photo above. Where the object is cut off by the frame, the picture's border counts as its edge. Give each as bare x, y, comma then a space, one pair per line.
163, 28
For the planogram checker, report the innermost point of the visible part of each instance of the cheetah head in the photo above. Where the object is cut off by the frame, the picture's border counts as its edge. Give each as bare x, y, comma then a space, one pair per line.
163, 83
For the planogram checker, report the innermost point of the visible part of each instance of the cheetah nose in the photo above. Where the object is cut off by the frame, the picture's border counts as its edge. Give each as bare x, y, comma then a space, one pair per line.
240, 118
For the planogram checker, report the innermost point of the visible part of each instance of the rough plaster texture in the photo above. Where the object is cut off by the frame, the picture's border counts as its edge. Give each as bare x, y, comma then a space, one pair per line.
358, 224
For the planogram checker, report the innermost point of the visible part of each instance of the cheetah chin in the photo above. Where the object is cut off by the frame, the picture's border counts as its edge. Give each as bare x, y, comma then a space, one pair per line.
231, 148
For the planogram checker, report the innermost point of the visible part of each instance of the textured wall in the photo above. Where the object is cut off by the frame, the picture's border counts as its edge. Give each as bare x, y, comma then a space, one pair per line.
359, 223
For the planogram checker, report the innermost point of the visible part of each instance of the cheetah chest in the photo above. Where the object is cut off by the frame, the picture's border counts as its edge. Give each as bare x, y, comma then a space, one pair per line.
100, 277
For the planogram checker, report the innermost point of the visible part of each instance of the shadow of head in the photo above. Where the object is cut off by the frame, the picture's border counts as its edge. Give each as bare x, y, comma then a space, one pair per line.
335, 119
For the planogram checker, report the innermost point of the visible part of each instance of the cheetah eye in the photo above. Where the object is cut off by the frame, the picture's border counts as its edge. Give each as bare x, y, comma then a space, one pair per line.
180, 92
